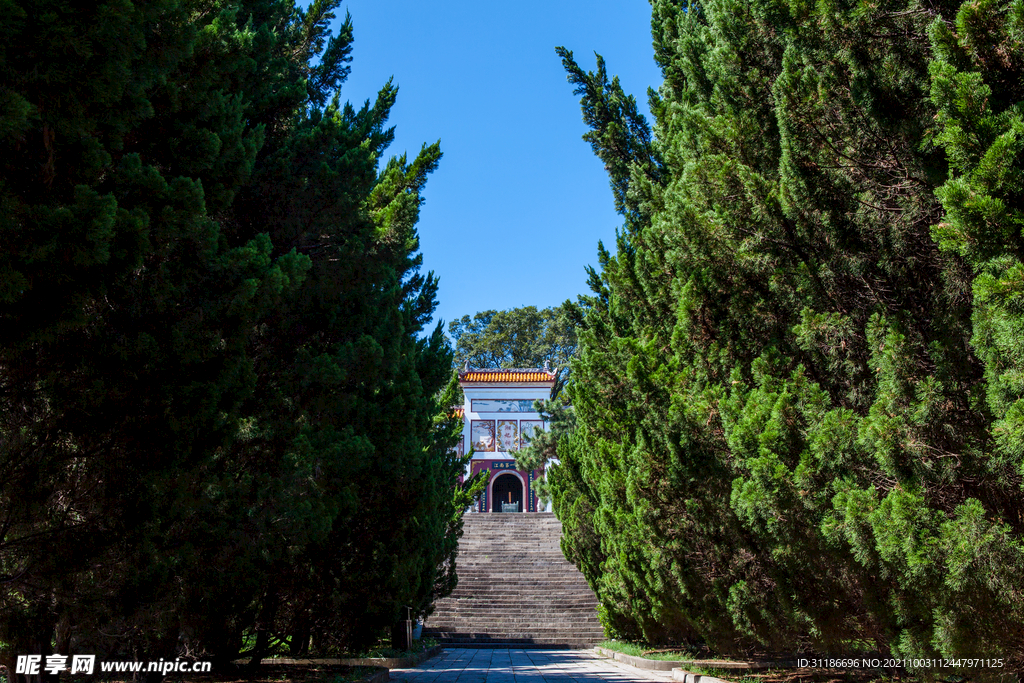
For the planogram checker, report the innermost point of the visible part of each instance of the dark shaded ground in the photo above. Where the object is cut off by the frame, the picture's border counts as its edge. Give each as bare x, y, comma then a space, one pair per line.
286, 673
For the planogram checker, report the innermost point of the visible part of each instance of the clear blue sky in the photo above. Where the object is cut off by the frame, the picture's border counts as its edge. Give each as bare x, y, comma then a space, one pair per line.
515, 210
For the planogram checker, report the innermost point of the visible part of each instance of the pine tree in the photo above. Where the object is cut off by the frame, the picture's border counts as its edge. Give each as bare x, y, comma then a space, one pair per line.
218, 395
126, 309
783, 439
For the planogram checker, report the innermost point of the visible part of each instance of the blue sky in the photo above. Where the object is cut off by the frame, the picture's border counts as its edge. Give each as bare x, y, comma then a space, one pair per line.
514, 212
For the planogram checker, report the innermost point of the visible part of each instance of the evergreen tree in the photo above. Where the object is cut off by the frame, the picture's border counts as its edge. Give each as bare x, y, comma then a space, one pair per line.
219, 419
541, 451
794, 414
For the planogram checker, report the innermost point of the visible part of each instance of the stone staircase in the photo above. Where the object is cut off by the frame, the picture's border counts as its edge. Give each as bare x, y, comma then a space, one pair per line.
515, 588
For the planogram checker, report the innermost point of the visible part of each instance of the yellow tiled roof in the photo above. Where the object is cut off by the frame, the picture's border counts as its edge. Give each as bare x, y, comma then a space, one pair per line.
509, 375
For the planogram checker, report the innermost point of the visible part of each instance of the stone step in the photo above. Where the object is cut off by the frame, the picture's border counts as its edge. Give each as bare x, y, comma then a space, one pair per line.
506, 622
532, 564
484, 554
482, 539
500, 615
566, 636
492, 517
523, 578
545, 597
551, 603
554, 612
532, 569
579, 641
524, 524
537, 568
534, 559
523, 626
519, 644
502, 601
583, 641
587, 613
498, 620
523, 591
516, 633
521, 586
525, 575
520, 631
497, 617
485, 545
589, 630
515, 587
547, 601
498, 585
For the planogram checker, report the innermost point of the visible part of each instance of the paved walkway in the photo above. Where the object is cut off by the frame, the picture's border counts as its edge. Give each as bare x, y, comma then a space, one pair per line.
524, 666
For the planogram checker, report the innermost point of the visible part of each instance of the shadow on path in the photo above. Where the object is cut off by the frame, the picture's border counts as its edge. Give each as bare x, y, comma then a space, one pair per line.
523, 666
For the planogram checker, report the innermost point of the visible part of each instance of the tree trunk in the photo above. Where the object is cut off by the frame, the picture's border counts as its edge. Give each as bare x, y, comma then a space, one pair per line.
263, 627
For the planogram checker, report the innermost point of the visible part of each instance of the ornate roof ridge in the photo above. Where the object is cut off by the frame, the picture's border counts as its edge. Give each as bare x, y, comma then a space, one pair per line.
550, 372
471, 374
467, 369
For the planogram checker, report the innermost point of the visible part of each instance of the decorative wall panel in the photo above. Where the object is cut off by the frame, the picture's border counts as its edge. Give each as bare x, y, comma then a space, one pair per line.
481, 434
527, 428
502, 405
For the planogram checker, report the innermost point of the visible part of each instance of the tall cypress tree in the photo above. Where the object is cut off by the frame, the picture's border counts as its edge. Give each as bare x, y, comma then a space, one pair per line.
215, 381
779, 380
125, 310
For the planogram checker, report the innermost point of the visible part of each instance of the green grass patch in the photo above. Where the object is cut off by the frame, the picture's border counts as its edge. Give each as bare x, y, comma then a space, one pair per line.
637, 650
381, 651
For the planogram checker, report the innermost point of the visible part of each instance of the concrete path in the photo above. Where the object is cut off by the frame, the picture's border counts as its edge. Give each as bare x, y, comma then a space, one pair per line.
524, 666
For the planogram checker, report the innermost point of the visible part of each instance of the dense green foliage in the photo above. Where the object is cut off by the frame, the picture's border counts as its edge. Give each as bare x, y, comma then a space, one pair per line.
542, 450
517, 338
219, 413
798, 397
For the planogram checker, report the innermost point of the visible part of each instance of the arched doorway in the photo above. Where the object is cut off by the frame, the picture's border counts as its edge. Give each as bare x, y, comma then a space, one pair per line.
506, 488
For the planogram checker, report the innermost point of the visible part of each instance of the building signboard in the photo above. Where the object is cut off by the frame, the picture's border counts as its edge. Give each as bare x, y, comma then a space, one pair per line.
508, 435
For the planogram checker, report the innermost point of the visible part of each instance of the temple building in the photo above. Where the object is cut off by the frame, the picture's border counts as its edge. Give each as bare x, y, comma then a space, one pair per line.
498, 419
